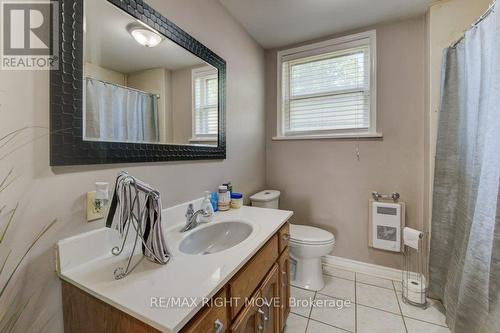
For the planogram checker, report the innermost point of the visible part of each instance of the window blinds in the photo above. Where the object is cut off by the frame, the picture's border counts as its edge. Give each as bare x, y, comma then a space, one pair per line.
205, 105
327, 92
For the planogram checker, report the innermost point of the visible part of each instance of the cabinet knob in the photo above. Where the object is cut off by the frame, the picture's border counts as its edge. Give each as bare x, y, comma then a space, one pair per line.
218, 326
286, 237
263, 314
284, 282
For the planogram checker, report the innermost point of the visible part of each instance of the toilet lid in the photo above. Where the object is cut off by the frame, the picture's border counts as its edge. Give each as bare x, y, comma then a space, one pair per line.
265, 196
308, 234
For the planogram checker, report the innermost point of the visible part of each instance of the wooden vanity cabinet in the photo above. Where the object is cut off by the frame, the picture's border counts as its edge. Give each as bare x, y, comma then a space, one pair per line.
284, 285
270, 309
83, 313
262, 288
248, 279
283, 237
249, 320
262, 313
212, 318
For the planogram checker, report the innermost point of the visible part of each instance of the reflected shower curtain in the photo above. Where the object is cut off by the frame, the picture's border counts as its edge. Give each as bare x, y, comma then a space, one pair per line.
115, 113
465, 243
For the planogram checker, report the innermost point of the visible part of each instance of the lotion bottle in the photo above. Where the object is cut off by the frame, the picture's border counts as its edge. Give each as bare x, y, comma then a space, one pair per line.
224, 198
207, 206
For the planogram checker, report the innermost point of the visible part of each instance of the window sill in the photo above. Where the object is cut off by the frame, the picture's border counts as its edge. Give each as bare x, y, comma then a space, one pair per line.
329, 136
203, 139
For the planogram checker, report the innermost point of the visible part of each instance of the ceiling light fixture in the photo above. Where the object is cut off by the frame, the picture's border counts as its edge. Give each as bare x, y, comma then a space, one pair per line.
144, 36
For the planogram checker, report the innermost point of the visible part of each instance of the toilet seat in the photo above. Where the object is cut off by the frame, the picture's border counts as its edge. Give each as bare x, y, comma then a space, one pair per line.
307, 235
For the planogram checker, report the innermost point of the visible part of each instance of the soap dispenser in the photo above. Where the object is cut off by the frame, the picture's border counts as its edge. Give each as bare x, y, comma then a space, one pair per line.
206, 205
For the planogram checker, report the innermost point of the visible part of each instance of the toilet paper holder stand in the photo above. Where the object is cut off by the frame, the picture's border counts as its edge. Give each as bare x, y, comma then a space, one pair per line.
414, 284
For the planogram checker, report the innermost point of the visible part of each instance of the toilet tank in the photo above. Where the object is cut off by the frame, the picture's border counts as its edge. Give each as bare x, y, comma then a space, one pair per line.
266, 199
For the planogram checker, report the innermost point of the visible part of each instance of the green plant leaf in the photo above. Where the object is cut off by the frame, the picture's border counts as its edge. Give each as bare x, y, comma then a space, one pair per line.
8, 139
44, 230
4, 262
4, 140
4, 232
13, 133
6, 177
14, 318
7, 185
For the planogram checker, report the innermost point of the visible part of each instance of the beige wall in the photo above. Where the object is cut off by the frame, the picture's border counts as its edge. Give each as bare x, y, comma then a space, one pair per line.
157, 81
182, 104
104, 74
45, 193
446, 22
324, 183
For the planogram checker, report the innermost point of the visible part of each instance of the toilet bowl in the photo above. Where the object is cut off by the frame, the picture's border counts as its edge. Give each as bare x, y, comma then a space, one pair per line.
307, 246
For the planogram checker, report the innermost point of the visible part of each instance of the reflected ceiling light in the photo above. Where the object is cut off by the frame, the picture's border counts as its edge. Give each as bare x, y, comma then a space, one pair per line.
144, 36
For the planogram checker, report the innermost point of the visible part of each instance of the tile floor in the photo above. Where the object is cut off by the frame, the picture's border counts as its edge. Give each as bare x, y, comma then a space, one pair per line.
375, 307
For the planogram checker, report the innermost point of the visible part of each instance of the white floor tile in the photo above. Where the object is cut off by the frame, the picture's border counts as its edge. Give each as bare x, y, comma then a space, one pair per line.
338, 288
317, 327
338, 316
295, 324
299, 297
433, 314
376, 321
376, 297
337, 272
416, 326
397, 285
374, 280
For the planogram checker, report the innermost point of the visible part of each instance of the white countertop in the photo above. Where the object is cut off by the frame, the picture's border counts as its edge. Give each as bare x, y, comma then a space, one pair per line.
86, 261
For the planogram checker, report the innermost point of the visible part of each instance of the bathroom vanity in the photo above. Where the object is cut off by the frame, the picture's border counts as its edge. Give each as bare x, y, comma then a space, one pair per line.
242, 288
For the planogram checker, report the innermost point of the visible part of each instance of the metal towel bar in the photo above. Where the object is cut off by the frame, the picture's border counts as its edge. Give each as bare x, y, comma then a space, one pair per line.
393, 196
144, 217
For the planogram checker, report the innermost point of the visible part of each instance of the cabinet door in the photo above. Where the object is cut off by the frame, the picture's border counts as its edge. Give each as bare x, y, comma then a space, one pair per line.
211, 319
284, 277
248, 279
284, 237
269, 306
249, 320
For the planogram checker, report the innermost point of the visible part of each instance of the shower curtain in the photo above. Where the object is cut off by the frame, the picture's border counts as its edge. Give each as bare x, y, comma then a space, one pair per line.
465, 243
115, 113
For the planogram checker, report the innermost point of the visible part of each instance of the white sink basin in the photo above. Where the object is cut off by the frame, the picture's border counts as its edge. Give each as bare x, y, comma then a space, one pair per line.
215, 238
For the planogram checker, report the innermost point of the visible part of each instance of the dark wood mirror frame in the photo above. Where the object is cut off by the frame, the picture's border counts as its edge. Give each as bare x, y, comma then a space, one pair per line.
67, 146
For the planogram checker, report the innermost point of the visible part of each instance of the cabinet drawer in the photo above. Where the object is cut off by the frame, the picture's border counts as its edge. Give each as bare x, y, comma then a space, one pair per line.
284, 236
210, 319
244, 283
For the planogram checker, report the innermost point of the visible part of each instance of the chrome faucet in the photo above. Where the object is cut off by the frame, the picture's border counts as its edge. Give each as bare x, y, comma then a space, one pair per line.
192, 218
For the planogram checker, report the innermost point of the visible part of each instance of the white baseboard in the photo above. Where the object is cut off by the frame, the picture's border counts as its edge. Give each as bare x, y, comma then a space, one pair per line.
332, 262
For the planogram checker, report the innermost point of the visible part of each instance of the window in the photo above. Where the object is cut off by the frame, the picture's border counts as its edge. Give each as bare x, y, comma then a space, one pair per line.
328, 89
205, 103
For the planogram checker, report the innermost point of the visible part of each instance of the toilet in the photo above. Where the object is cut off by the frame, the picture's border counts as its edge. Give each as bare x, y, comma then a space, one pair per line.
307, 246
266, 199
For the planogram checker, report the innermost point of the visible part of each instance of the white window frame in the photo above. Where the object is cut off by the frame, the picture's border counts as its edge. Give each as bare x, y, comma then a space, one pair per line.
204, 71
368, 38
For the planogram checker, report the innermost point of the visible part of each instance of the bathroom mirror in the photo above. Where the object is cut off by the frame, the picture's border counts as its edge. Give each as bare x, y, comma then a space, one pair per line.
133, 87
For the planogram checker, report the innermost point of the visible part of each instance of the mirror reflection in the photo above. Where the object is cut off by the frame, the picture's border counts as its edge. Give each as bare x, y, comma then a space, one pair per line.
141, 87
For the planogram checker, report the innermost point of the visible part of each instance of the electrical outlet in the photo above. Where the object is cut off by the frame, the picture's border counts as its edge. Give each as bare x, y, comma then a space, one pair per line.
94, 213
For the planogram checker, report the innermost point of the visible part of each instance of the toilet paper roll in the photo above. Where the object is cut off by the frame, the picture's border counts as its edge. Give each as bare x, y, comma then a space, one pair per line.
414, 288
411, 237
